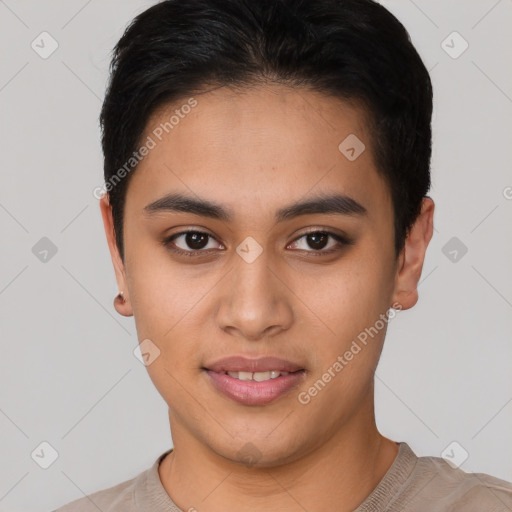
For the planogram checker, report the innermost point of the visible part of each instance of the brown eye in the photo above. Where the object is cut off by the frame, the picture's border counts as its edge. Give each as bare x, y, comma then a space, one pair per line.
315, 242
190, 243
196, 240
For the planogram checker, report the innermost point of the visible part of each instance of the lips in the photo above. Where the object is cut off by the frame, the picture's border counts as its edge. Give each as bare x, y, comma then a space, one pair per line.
250, 392
254, 381
245, 364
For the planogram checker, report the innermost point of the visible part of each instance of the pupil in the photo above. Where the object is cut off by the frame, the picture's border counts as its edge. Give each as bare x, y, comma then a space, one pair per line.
196, 240
317, 243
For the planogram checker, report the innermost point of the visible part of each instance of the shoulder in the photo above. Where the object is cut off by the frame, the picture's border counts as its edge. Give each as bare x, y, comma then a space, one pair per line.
447, 488
112, 499
143, 492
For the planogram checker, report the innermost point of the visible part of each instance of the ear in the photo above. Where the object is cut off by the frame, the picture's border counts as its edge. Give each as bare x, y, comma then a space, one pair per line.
123, 308
410, 261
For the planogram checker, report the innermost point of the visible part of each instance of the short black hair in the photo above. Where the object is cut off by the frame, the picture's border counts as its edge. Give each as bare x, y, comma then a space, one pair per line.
354, 50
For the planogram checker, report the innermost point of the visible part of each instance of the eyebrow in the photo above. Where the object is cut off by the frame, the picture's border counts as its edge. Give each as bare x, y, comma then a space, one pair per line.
337, 204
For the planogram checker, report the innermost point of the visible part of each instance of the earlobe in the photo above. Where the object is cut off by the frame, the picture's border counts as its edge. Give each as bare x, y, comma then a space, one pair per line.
413, 255
122, 306
122, 303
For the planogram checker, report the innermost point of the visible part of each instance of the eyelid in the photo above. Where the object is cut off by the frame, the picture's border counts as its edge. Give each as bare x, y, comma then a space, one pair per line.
329, 231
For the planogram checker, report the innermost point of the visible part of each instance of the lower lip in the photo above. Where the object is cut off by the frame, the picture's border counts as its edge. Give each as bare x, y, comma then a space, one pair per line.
250, 392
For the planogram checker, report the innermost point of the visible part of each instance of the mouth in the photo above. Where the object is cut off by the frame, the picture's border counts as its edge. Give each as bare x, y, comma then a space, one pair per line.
244, 365
254, 388
258, 376
252, 381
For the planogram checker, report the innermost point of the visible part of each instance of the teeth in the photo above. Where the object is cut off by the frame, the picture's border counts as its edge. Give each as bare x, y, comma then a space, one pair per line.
256, 376
245, 375
261, 376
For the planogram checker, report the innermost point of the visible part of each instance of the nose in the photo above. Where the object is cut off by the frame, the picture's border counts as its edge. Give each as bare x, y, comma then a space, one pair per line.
254, 301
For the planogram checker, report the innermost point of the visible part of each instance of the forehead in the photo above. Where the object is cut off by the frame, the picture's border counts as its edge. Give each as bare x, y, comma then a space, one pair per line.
257, 147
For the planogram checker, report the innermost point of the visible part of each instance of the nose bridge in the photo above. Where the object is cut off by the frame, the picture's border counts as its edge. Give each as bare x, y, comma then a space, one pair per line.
254, 300
253, 281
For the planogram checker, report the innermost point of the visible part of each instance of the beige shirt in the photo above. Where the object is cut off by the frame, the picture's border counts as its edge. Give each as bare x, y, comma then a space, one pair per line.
412, 483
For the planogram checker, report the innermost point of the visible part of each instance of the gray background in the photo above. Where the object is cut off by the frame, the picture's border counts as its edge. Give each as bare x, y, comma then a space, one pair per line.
68, 375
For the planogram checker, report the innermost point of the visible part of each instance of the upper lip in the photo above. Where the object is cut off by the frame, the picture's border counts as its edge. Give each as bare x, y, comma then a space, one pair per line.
245, 364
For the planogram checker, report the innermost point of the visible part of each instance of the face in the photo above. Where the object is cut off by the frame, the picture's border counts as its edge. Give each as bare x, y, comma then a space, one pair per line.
258, 278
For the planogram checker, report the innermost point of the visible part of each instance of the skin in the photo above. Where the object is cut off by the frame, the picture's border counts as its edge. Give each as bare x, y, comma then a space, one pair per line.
255, 152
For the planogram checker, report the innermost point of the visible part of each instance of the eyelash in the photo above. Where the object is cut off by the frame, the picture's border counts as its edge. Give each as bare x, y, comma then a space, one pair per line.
343, 241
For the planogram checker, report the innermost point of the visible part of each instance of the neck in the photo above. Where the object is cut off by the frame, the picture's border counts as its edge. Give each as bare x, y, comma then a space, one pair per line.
335, 474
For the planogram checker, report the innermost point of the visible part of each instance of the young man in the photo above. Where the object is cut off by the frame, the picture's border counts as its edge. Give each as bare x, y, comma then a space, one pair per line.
266, 169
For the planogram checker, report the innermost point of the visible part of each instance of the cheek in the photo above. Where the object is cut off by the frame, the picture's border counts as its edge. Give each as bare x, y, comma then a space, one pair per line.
348, 353
170, 308
352, 304
161, 293
166, 303
169, 311
350, 297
